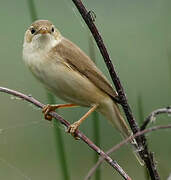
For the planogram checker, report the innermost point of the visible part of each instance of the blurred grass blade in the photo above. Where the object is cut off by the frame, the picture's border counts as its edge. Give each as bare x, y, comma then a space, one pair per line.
95, 115
51, 100
169, 56
169, 63
141, 119
140, 109
59, 143
32, 10
96, 134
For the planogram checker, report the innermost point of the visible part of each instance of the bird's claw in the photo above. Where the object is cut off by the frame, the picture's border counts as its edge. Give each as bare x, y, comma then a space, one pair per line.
72, 130
46, 110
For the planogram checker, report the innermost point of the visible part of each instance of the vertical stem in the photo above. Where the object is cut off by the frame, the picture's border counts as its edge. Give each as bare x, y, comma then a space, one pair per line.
140, 109
141, 140
169, 63
32, 10
96, 134
141, 119
59, 143
59, 139
95, 116
169, 57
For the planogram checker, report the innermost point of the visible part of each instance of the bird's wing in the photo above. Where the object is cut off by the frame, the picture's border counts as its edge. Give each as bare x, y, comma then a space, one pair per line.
79, 61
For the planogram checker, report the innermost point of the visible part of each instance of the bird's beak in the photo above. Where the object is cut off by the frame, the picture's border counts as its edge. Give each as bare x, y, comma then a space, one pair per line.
43, 30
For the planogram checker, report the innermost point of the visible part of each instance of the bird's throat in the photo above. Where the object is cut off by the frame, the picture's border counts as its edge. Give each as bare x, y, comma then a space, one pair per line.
43, 42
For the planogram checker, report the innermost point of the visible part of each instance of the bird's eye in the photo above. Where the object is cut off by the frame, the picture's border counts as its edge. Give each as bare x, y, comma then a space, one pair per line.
53, 29
32, 30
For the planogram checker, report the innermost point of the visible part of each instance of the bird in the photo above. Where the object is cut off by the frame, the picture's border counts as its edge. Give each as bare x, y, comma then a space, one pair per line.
65, 70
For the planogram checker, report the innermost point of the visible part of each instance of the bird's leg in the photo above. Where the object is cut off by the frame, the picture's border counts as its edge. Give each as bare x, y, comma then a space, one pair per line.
73, 127
48, 108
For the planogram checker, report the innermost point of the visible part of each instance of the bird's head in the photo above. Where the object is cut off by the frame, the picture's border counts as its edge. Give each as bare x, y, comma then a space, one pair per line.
41, 34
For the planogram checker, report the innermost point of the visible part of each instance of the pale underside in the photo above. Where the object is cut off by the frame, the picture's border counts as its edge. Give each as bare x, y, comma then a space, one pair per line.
70, 74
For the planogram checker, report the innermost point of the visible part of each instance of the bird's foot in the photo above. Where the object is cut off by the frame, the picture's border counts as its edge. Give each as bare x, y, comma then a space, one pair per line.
47, 109
72, 130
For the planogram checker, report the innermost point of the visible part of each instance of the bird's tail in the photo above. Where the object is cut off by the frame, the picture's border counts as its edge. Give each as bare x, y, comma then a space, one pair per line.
119, 123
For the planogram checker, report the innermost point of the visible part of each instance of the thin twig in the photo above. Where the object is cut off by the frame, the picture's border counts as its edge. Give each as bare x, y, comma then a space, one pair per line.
141, 140
153, 115
122, 143
101, 153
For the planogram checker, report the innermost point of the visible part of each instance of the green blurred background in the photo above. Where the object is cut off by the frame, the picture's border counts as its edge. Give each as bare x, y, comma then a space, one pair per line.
138, 37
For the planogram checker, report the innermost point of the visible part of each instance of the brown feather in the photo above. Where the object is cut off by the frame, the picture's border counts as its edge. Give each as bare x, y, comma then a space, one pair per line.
76, 59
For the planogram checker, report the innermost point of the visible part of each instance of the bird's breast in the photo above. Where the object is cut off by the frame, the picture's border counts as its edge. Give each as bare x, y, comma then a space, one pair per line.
63, 81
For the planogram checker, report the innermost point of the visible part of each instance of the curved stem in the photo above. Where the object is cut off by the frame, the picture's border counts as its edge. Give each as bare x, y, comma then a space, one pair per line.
153, 115
100, 152
122, 143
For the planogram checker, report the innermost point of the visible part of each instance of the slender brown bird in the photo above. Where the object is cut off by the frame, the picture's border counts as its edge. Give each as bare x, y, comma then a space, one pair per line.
70, 74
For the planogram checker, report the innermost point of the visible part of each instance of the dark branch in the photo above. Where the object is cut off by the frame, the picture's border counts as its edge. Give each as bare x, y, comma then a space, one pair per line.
153, 115
118, 146
141, 140
100, 152
122, 97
